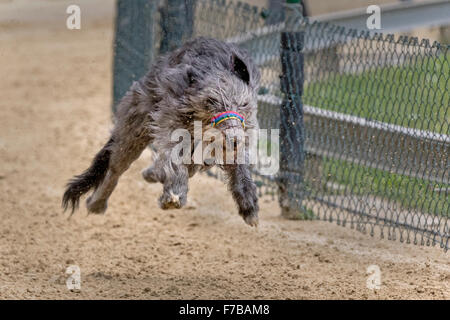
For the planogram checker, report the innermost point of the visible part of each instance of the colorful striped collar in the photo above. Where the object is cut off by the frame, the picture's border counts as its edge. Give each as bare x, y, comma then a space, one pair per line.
225, 116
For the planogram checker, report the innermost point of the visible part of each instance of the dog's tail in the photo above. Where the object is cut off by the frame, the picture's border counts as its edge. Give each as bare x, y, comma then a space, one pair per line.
89, 179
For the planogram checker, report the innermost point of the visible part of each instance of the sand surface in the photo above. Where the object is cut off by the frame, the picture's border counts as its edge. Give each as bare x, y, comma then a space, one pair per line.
55, 95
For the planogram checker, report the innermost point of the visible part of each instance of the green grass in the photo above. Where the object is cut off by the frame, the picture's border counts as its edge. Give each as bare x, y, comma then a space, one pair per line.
409, 193
415, 95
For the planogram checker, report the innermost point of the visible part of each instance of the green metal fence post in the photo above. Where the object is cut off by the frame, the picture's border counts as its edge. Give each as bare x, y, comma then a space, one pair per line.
133, 43
276, 12
292, 154
177, 23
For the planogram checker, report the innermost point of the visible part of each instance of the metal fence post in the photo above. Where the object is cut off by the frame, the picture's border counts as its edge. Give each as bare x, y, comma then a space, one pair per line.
133, 43
292, 154
177, 23
276, 12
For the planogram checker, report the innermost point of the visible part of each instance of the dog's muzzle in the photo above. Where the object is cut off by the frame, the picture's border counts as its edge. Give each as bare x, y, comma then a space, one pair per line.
232, 125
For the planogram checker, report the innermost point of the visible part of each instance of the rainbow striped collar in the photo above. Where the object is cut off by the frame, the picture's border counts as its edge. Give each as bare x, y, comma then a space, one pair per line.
225, 116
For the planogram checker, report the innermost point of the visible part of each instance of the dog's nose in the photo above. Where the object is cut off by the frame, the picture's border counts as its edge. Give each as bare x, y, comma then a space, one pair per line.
231, 129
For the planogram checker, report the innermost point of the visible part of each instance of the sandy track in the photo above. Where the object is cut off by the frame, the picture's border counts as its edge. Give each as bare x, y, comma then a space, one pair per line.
54, 116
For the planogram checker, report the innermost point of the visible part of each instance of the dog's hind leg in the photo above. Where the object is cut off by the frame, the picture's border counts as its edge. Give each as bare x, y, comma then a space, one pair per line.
126, 149
129, 138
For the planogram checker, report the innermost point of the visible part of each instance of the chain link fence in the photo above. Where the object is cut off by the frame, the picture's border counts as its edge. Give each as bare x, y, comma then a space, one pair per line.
364, 118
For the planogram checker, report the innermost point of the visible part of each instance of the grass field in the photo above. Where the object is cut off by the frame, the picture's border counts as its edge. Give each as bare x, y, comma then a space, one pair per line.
415, 95
411, 193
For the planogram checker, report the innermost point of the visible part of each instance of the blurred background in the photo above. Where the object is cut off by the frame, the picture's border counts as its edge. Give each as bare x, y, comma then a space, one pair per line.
23, 13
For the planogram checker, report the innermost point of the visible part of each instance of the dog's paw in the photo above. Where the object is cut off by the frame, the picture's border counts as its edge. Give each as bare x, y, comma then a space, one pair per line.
252, 220
169, 200
149, 175
249, 213
97, 207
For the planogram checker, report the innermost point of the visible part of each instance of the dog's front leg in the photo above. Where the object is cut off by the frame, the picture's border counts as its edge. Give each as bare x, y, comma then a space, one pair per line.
174, 178
244, 192
175, 187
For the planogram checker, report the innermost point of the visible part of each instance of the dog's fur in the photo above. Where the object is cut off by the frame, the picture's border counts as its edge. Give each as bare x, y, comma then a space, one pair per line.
195, 82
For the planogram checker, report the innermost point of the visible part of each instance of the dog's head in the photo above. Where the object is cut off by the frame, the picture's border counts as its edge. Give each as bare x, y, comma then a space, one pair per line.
222, 83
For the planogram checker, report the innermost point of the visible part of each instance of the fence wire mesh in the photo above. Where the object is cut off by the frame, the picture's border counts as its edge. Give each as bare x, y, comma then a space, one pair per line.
366, 121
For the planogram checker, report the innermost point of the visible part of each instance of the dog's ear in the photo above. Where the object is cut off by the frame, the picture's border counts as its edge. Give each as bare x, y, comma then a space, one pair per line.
191, 77
240, 69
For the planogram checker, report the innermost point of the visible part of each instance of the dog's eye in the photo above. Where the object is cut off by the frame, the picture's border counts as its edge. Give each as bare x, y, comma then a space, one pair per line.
190, 114
242, 107
240, 69
191, 77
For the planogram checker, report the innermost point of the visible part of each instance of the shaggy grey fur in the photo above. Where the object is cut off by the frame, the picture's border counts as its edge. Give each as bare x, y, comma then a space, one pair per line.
194, 82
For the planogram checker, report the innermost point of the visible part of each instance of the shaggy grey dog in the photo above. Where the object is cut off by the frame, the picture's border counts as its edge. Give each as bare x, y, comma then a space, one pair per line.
195, 82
